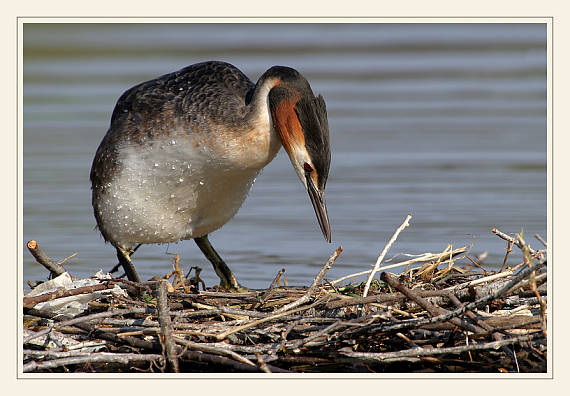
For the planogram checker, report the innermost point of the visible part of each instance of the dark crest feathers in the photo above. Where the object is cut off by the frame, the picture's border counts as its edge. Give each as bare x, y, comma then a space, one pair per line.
312, 114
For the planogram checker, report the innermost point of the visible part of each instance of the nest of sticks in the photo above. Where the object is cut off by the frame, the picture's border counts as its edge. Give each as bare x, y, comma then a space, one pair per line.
441, 313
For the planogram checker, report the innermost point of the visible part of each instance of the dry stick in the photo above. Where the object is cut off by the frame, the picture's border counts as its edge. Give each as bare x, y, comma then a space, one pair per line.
262, 365
268, 293
513, 240
303, 341
249, 325
168, 345
155, 346
381, 257
429, 307
459, 311
60, 293
479, 281
276, 279
59, 354
509, 249
224, 310
420, 259
102, 357
476, 264
307, 296
541, 302
54, 268
541, 240
384, 356
495, 334
213, 349
414, 323
453, 298
81, 319
380, 298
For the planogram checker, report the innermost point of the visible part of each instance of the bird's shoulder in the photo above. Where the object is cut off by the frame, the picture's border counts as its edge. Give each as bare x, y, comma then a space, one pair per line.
198, 89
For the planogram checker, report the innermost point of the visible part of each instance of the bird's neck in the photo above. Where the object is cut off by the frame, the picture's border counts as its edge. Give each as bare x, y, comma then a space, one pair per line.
257, 143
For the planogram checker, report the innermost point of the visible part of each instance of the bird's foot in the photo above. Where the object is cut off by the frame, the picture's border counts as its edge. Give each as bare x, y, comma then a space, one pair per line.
231, 287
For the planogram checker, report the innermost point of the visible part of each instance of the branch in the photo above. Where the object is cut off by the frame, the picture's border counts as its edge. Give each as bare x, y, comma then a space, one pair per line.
54, 268
60, 293
384, 356
386, 248
307, 296
429, 307
168, 345
102, 357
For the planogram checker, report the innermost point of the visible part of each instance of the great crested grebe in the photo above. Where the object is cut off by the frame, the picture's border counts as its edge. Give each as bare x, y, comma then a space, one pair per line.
183, 151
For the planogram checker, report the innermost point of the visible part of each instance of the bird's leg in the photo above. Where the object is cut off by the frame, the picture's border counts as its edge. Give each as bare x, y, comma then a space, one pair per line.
124, 256
227, 278
118, 265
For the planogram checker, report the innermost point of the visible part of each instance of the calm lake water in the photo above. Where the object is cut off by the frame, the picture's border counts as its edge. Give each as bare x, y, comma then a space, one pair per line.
443, 121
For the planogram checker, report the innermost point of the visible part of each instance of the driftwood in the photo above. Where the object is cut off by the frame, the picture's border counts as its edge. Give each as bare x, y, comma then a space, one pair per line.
54, 268
437, 315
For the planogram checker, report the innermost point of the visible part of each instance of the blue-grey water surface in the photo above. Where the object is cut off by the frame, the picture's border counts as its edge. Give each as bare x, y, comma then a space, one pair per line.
443, 121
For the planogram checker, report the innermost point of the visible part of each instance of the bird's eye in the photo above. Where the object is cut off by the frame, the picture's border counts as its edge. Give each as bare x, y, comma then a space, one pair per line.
307, 167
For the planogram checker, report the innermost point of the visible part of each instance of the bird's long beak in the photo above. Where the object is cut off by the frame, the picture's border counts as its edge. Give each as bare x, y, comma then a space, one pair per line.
320, 206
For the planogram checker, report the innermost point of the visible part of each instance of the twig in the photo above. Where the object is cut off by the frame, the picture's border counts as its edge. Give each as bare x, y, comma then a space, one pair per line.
262, 365
168, 345
421, 258
325, 331
429, 307
276, 279
60, 293
382, 357
255, 323
269, 293
380, 298
513, 240
81, 319
155, 346
534, 288
541, 240
476, 264
459, 311
509, 249
213, 349
307, 296
476, 282
100, 357
54, 268
381, 257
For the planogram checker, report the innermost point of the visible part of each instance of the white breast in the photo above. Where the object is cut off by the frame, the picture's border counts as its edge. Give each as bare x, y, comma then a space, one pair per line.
182, 187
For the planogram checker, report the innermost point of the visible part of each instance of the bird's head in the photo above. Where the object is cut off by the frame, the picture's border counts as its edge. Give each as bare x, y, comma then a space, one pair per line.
300, 120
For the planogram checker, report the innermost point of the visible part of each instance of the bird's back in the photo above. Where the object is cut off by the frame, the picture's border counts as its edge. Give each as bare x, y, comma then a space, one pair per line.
213, 91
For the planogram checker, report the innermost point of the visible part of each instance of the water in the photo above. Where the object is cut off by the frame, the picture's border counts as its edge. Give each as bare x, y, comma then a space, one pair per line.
444, 121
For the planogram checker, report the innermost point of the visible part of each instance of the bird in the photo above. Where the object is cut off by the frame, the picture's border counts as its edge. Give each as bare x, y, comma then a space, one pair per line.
183, 150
